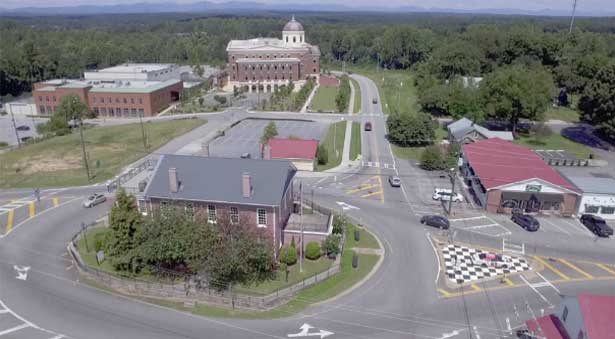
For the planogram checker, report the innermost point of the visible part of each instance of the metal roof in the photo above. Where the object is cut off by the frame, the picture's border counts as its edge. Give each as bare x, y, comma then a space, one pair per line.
134, 86
220, 179
460, 127
594, 184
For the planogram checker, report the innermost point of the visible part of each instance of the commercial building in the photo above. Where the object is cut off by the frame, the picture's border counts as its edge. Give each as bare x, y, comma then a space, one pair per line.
128, 90
264, 64
259, 192
597, 196
585, 316
302, 153
502, 176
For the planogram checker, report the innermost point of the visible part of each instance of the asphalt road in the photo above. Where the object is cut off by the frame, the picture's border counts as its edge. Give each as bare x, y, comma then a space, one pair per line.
400, 301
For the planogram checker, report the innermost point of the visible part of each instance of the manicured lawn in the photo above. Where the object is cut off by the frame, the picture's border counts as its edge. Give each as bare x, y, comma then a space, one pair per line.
58, 162
335, 134
562, 113
555, 142
415, 152
310, 268
357, 96
366, 240
355, 141
324, 99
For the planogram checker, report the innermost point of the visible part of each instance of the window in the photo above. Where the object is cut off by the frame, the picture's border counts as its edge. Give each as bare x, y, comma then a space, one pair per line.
234, 215
565, 314
118, 112
125, 101
53, 98
46, 98
40, 98
286, 39
591, 209
294, 39
261, 217
49, 109
142, 206
111, 112
211, 214
42, 109
133, 112
117, 100
125, 112
102, 100
607, 210
96, 110
109, 100
140, 101
94, 99
103, 111
132, 100
141, 111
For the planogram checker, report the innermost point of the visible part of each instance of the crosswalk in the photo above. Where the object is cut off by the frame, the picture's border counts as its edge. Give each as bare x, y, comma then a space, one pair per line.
376, 164
14, 326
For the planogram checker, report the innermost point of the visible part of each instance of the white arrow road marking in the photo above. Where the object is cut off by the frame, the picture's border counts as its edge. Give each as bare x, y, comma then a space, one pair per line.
450, 335
305, 329
22, 272
346, 206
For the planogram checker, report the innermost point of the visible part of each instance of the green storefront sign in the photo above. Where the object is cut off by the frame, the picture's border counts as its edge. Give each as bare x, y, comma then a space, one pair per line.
533, 188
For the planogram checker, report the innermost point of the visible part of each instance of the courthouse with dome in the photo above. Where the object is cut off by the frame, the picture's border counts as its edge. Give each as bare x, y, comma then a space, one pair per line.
265, 64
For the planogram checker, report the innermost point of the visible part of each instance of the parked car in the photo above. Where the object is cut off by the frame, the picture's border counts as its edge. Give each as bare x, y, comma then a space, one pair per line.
436, 221
446, 195
490, 260
24, 139
526, 221
246, 156
597, 225
374, 101
394, 181
368, 126
94, 200
23, 128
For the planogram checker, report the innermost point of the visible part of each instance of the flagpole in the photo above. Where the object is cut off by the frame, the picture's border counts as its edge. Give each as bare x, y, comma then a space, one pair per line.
301, 225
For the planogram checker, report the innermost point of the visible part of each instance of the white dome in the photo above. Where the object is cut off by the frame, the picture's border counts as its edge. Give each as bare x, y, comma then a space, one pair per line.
293, 26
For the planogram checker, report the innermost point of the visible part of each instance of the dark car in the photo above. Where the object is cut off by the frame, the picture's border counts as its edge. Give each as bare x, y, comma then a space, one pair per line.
374, 101
436, 221
246, 156
526, 221
368, 126
23, 128
596, 225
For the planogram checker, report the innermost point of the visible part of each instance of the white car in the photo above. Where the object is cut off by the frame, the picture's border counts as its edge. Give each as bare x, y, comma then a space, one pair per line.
445, 195
94, 200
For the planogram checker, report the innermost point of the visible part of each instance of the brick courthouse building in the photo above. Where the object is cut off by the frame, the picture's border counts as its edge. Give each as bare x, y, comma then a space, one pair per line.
264, 64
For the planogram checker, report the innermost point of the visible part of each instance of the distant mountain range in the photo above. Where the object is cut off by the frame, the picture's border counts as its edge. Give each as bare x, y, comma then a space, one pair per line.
204, 6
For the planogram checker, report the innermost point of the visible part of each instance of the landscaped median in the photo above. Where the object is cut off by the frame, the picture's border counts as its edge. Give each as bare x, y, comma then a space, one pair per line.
321, 279
355, 141
333, 145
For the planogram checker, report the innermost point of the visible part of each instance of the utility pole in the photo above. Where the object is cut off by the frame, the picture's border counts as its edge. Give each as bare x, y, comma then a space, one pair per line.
452, 174
574, 9
143, 131
301, 225
401, 84
15, 129
85, 156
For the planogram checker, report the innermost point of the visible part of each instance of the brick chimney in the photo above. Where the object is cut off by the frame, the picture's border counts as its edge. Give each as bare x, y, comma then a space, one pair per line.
246, 185
267, 151
205, 149
173, 180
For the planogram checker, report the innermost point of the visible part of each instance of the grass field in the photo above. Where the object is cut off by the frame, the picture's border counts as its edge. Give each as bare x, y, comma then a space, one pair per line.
58, 162
357, 96
415, 152
555, 142
366, 240
335, 134
324, 99
562, 113
355, 141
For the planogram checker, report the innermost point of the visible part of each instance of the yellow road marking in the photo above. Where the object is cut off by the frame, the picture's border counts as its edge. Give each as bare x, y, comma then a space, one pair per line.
361, 188
555, 270
32, 209
372, 193
445, 293
56, 202
475, 287
9, 223
508, 281
606, 268
567, 263
381, 190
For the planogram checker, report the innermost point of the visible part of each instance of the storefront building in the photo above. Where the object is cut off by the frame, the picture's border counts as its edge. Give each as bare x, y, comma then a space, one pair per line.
597, 196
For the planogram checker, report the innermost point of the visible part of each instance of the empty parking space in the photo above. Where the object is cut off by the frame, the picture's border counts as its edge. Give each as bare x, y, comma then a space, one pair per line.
245, 136
481, 224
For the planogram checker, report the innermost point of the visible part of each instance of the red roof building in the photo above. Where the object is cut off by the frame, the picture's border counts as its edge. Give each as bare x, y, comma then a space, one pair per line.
301, 152
504, 175
585, 316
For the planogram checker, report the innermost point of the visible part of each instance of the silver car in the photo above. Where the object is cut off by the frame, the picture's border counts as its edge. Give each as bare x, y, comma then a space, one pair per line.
394, 181
94, 200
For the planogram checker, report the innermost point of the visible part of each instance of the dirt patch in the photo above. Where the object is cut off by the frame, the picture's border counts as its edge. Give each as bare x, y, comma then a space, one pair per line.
44, 164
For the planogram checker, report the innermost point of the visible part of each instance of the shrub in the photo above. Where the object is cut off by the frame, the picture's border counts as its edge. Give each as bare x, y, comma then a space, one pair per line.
99, 241
3, 144
221, 99
339, 221
321, 155
432, 158
288, 255
331, 244
312, 250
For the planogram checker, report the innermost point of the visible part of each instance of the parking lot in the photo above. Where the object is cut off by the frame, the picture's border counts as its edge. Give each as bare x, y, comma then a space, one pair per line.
7, 132
245, 136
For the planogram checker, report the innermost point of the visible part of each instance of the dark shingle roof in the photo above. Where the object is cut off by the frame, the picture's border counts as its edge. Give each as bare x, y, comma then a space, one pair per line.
220, 179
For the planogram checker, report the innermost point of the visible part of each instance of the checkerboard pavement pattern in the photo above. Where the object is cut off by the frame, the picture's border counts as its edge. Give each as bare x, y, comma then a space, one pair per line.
461, 269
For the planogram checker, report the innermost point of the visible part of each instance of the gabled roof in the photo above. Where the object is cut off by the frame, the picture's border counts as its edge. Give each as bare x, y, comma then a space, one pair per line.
460, 127
463, 126
489, 134
498, 163
293, 148
220, 179
598, 315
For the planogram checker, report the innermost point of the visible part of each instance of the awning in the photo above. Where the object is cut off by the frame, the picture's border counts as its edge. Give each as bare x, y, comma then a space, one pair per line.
542, 197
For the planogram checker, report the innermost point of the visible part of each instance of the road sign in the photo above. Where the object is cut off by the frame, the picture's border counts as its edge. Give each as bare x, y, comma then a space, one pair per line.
305, 332
22, 272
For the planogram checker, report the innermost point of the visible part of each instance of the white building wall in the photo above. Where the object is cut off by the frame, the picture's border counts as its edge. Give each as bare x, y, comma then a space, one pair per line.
17, 108
171, 72
304, 165
602, 200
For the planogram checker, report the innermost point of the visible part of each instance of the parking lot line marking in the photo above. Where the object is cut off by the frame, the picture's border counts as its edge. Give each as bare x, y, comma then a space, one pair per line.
606, 268
508, 281
371, 194
547, 282
535, 290
580, 227
554, 225
475, 288
56, 202
569, 264
552, 268
31, 209
9, 221
469, 218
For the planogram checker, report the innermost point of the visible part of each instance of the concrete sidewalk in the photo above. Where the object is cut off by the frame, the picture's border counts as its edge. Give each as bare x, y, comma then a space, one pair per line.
346, 161
309, 99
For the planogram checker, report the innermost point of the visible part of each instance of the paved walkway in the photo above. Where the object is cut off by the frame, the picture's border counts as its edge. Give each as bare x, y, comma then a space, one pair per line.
309, 99
346, 161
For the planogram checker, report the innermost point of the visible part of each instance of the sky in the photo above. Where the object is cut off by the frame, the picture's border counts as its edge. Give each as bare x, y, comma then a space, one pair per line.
531, 5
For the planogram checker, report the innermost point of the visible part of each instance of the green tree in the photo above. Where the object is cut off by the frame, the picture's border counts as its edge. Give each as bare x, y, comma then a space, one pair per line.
70, 107
432, 158
597, 102
312, 250
288, 255
269, 132
407, 129
322, 156
331, 244
124, 221
513, 93
343, 94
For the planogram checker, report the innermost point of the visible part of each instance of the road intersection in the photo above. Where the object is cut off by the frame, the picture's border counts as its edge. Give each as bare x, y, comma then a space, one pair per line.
403, 299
